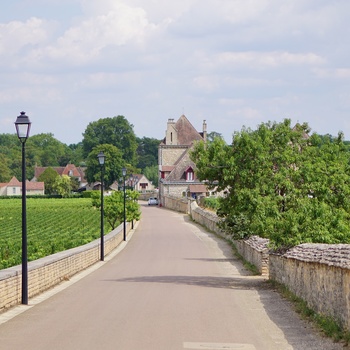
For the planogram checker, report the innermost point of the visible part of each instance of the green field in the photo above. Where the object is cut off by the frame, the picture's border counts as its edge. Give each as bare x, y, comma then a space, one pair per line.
53, 225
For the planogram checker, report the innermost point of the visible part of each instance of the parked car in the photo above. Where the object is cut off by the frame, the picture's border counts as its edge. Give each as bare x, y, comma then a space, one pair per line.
153, 201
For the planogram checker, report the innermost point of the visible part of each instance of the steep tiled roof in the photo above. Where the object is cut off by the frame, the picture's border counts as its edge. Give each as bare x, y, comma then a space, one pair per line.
30, 185
14, 182
186, 132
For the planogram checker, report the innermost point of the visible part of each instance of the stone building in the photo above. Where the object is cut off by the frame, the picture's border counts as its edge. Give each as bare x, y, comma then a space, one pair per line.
177, 176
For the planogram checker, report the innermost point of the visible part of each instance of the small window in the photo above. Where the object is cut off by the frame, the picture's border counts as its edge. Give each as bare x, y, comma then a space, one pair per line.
189, 176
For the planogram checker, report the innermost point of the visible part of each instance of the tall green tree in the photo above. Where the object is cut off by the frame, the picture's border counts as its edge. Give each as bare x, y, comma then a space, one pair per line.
151, 172
116, 131
5, 172
112, 168
63, 185
114, 206
48, 151
49, 177
147, 151
281, 184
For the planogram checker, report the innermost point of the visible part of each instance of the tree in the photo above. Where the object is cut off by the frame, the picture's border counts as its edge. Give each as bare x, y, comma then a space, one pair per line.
213, 135
151, 172
147, 151
49, 177
63, 185
114, 206
281, 184
5, 172
112, 168
116, 131
48, 151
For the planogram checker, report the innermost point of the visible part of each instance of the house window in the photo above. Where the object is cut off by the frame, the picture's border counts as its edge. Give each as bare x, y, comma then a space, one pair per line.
13, 190
190, 175
70, 173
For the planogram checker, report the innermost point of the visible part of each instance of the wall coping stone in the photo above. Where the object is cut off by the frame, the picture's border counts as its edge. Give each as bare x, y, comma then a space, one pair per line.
329, 254
258, 243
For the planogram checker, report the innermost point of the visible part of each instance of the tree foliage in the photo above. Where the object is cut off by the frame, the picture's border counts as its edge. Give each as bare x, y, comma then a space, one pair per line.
114, 206
49, 177
62, 185
147, 152
116, 131
112, 168
280, 184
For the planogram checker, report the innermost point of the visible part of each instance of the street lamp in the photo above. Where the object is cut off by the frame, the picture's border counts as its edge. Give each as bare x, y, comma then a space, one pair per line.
22, 125
101, 159
124, 226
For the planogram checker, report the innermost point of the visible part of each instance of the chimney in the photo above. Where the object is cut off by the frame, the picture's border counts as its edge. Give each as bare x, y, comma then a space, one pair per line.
204, 131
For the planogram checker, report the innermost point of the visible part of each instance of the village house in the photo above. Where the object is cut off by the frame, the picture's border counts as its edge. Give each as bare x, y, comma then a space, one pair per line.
177, 176
70, 169
14, 188
138, 182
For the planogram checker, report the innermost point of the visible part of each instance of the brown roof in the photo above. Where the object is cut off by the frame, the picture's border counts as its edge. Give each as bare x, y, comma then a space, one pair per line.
14, 182
198, 189
186, 133
30, 185
76, 171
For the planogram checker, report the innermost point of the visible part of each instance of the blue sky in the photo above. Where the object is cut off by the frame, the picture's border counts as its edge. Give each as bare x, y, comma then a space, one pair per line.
233, 63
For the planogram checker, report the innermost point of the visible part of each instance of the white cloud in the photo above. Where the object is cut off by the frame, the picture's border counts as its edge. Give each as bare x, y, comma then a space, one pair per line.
16, 35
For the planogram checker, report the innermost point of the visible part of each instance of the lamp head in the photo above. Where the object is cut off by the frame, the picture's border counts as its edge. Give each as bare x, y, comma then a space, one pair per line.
124, 171
101, 158
22, 125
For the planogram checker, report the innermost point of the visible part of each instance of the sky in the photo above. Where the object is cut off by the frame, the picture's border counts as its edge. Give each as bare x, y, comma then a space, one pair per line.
233, 63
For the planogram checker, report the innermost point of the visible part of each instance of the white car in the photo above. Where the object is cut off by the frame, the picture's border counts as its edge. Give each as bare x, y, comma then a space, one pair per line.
153, 201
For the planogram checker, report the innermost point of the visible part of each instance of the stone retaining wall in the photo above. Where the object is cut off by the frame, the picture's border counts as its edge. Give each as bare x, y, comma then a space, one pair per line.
177, 204
254, 249
317, 273
320, 275
49, 271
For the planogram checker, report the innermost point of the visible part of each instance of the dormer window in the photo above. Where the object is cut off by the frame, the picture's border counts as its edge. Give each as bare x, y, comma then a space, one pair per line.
189, 174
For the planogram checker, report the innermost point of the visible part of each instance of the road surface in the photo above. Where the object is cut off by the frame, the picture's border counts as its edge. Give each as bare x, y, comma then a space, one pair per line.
173, 287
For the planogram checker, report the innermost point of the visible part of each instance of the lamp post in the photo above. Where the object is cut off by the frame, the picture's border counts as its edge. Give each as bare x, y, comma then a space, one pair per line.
124, 225
101, 159
22, 125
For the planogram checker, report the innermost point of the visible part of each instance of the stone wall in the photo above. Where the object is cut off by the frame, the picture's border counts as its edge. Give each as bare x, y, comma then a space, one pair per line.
170, 154
177, 204
254, 249
49, 271
320, 275
317, 273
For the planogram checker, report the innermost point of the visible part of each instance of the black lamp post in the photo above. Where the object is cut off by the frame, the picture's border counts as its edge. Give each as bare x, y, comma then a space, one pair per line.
101, 159
124, 225
22, 125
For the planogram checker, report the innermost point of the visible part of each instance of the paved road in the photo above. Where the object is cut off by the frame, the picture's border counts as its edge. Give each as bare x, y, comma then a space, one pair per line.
172, 287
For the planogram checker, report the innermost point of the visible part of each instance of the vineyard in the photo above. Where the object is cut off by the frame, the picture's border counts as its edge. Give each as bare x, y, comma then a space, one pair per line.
53, 225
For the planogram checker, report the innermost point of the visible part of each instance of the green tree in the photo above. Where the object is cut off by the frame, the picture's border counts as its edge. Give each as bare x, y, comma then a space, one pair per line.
49, 177
280, 184
116, 131
5, 172
213, 135
151, 172
112, 168
147, 151
114, 206
63, 185
48, 151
